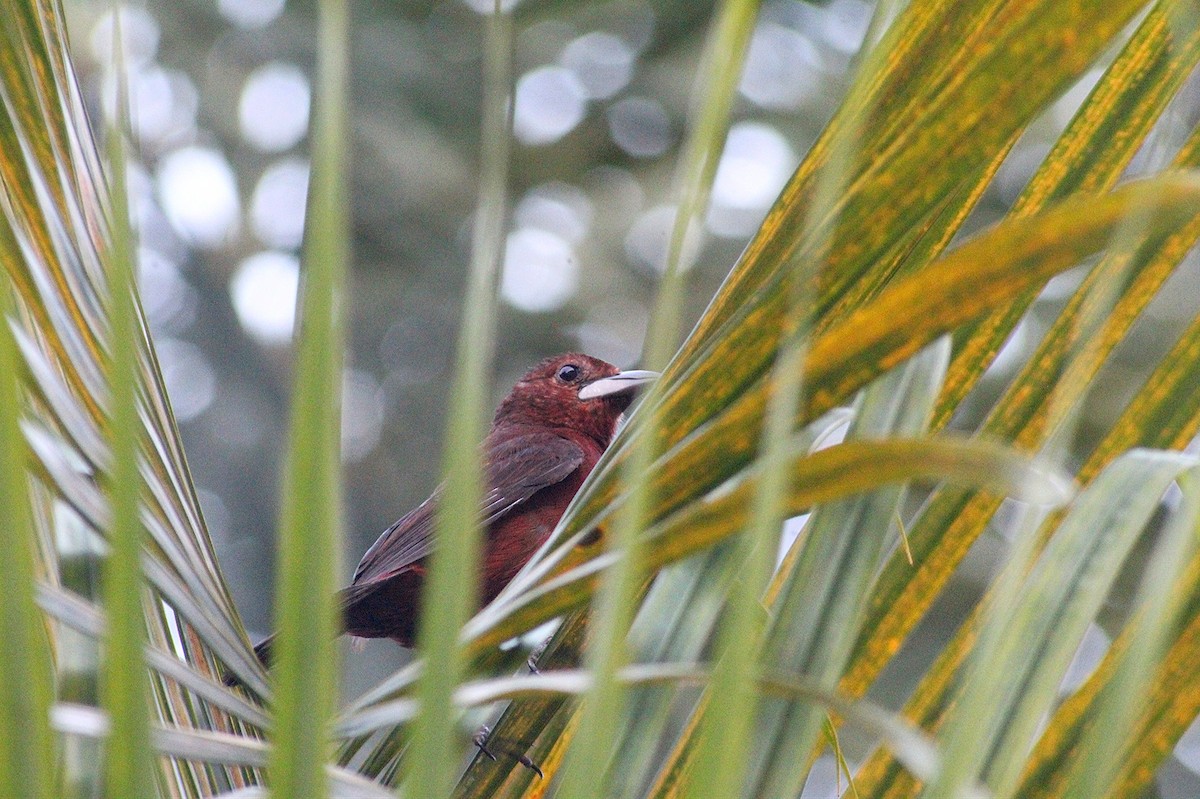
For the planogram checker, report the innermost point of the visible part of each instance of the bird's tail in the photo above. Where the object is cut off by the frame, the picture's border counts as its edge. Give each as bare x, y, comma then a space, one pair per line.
263, 651
264, 648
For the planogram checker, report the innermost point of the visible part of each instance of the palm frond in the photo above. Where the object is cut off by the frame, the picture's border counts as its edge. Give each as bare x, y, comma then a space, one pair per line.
863, 287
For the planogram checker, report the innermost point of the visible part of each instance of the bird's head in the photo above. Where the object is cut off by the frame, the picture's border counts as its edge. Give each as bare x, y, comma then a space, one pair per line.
575, 391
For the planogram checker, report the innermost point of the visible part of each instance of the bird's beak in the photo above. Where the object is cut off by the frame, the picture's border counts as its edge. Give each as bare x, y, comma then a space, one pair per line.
620, 383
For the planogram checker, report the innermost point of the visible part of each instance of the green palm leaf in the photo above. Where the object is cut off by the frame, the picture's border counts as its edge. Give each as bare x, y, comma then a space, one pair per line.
870, 236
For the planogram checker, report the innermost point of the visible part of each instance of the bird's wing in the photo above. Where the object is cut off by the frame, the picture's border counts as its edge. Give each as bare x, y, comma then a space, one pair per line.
520, 466
517, 468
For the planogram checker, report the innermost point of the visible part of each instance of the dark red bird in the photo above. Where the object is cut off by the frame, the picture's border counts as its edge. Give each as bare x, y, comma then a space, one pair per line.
545, 439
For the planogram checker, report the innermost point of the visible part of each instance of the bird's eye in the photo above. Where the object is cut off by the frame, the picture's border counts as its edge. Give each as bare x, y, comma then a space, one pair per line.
568, 373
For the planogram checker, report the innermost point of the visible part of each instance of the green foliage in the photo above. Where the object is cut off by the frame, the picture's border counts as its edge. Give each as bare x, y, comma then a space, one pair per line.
310, 524
451, 591
128, 758
861, 289
26, 753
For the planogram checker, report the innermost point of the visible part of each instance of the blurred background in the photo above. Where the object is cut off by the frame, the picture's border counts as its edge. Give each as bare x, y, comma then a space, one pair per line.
222, 95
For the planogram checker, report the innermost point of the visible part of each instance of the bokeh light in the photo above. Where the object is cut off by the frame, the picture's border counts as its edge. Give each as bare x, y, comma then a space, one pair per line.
167, 299
1087, 657
549, 103
783, 68
825, 778
199, 195
274, 105
540, 271
648, 243
489, 6
602, 61
139, 36
278, 205
1187, 749
264, 290
558, 208
362, 414
754, 167
250, 14
845, 23
162, 103
640, 127
191, 381
216, 515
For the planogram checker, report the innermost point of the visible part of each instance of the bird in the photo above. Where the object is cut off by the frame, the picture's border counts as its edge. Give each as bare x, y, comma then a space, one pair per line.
545, 438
